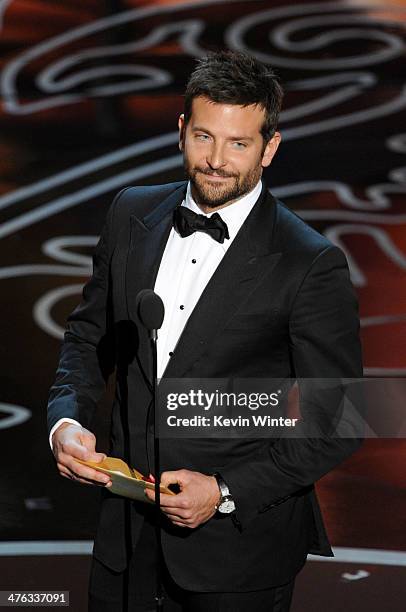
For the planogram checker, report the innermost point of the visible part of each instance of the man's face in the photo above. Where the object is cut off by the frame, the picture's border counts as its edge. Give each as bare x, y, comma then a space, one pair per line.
223, 151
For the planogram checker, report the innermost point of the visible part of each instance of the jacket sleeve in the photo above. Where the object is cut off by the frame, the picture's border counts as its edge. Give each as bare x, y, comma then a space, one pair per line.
324, 343
87, 354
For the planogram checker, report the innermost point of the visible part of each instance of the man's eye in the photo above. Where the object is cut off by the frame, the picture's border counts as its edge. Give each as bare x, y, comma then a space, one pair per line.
239, 145
202, 136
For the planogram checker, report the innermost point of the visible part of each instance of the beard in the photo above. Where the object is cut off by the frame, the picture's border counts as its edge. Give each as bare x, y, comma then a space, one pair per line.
213, 195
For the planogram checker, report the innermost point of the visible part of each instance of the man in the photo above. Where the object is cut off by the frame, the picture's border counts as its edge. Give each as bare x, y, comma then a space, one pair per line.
255, 293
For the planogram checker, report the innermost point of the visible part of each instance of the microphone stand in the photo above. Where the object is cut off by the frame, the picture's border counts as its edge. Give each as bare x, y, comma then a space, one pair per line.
151, 312
159, 598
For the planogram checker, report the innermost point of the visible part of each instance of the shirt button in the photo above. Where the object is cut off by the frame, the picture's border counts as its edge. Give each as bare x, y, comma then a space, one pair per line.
193, 260
170, 353
182, 307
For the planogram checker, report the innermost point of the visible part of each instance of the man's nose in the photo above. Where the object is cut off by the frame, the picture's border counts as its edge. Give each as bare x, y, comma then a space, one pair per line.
215, 157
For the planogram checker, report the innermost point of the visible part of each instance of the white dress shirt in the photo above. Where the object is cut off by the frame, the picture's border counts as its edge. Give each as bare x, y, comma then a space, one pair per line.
186, 267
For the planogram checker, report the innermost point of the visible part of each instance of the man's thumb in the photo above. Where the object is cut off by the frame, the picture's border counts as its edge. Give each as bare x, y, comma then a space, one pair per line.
96, 457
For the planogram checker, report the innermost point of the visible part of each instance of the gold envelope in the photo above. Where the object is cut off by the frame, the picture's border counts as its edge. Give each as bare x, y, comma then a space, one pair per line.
126, 481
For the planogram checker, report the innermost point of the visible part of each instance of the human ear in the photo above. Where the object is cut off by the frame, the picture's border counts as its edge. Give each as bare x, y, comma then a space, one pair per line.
270, 149
181, 126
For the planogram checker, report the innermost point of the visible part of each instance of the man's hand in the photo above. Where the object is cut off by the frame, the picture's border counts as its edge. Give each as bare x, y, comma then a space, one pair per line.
71, 442
195, 503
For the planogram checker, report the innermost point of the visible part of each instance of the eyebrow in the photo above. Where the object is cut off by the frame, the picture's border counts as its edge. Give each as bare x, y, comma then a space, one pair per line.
206, 131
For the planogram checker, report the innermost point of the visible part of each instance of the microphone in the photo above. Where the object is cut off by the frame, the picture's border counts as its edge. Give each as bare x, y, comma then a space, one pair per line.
151, 311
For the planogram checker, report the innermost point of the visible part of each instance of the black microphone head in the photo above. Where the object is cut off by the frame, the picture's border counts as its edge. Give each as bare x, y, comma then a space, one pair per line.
150, 309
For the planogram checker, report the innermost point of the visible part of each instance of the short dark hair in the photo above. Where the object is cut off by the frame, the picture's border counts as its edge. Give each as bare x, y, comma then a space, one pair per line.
232, 77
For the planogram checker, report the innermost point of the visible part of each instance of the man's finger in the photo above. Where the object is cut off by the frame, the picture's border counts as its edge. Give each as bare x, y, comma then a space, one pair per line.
177, 514
63, 470
181, 513
88, 473
80, 480
76, 478
170, 501
175, 517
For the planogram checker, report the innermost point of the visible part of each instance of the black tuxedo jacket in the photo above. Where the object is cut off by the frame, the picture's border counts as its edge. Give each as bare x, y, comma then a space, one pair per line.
280, 304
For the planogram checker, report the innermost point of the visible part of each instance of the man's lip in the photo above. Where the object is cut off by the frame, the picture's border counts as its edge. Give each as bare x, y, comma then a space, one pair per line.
215, 176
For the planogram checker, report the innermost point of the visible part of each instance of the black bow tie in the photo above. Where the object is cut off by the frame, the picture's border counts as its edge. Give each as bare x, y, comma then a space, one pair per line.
186, 222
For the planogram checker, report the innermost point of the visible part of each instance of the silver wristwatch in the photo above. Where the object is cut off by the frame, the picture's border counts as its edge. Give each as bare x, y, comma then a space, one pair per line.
226, 503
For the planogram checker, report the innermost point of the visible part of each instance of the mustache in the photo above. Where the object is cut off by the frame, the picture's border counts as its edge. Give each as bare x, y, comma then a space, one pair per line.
216, 173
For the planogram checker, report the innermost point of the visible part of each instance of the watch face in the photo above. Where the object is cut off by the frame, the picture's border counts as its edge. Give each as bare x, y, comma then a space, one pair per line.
227, 506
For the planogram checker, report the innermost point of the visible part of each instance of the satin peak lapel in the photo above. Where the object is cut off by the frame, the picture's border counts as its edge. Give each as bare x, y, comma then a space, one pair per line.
148, 238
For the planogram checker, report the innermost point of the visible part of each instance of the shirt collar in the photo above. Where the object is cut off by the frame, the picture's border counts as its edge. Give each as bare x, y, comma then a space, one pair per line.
233, 215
